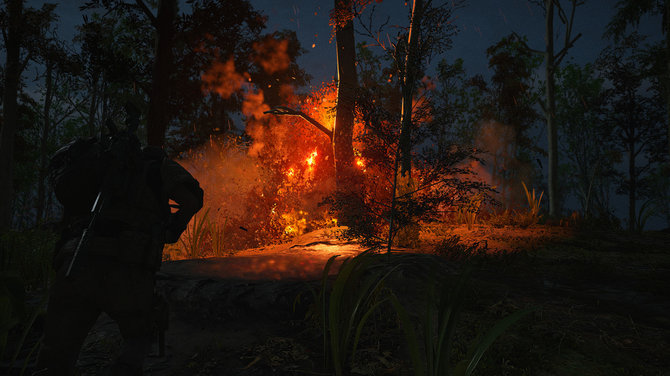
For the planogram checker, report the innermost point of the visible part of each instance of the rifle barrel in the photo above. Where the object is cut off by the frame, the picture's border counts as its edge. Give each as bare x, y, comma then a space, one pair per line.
84, 235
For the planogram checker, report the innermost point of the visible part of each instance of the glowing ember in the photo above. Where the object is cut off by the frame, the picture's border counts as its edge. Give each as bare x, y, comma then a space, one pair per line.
360, 162
312, 159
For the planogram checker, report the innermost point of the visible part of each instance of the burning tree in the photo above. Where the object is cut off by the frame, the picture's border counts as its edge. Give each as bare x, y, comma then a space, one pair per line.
386, 138
341, 132
268, 184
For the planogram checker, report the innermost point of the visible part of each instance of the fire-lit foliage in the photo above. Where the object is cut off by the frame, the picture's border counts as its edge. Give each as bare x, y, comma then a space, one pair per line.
443, 179
268, 186
278, 182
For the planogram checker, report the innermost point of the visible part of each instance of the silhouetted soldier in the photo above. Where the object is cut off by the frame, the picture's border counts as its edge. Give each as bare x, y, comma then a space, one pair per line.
117, 218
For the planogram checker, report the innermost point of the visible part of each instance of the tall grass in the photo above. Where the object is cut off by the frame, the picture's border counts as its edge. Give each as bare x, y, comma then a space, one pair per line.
442, 309
217, 234
532, 216
467, 213
193, 239
344, 307
647, 210
14, 315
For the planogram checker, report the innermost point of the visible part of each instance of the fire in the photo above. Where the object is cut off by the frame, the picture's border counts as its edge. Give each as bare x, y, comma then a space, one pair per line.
360, 162
312, 159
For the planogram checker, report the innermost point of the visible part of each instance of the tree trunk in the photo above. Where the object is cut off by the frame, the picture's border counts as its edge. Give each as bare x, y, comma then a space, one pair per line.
347, 82
10, 111
44, 141
632, 186
550, 113
411, 72
409, 235
92, 107
666, 28
157, 118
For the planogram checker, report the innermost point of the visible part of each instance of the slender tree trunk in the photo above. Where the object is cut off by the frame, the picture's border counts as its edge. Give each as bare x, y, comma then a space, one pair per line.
409, 235
44, 142
552, 148
105, 105
10, 111
666, 29
157, 118
347, 82
92, 107
632, 186
411, 72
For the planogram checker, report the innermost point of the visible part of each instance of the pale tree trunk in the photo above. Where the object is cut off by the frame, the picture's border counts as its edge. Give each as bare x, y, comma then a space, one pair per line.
404, 184
10, 111
44, 141
552, 61
550, 111
347, 82
157, 117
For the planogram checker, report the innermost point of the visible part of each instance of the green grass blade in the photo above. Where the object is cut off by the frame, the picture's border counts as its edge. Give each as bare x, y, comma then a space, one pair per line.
428, 329
361, 324
323, 305
410, 335
448, 316
334, 311
491, 336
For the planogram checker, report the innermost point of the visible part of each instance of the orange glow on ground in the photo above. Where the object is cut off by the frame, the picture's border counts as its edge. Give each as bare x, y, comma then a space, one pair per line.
305, 256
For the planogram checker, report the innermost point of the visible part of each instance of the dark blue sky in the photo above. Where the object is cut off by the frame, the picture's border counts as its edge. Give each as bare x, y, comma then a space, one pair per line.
481, 24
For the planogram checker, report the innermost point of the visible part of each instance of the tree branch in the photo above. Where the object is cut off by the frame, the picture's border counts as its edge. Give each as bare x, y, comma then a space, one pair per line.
561, 54
286, 111
143, 7
561, 12
525, 45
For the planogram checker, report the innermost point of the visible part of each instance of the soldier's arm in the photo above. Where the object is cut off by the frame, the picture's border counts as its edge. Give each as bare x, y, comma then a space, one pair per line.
182, 188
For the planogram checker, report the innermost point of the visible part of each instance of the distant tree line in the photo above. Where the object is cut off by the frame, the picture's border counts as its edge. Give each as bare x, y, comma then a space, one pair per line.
607, 121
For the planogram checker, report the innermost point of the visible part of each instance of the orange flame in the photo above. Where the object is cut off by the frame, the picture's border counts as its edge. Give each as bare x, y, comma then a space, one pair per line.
360, 162
312, 159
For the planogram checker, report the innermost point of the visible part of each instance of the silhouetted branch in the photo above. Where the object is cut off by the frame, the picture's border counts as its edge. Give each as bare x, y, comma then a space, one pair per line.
143, 7
286, 111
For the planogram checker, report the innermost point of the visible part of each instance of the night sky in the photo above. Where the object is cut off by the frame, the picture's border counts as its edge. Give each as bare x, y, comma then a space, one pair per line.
481, 23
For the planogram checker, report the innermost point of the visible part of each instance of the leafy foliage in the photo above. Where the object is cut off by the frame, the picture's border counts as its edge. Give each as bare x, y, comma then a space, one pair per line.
635, 112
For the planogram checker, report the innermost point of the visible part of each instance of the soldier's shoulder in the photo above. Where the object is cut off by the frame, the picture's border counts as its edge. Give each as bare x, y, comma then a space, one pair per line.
154, 153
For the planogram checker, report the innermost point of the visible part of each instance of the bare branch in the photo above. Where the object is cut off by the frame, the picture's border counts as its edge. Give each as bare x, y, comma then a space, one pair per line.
75, 106
561, 54
561, 12
525, 45
65, 116
143, 7
571, 23
286, 111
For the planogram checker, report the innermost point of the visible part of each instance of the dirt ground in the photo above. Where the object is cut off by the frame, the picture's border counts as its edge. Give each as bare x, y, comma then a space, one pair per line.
602, 304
